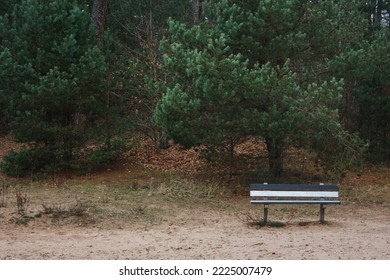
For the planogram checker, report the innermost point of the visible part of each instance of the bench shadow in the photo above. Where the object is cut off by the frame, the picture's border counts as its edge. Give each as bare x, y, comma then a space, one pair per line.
280, 224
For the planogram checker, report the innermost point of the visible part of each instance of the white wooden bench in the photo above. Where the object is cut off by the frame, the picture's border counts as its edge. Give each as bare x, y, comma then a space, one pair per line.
267, 194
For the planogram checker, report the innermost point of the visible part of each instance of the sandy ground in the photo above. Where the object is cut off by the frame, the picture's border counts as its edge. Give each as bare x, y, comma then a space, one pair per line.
351, 233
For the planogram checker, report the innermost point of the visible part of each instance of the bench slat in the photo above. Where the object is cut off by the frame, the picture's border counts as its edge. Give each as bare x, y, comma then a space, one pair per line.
294, 187
268, 193
295, 202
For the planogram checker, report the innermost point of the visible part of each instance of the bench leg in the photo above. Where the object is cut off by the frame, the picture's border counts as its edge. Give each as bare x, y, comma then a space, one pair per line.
265, 213
322, 213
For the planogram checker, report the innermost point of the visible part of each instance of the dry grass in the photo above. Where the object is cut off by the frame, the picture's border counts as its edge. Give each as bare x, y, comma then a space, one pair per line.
370, 188
83, 202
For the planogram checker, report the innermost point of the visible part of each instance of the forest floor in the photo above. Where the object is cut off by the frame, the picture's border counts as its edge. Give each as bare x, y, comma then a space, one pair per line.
172, 205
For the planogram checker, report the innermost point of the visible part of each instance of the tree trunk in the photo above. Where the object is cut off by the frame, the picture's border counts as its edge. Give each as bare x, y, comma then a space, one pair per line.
99, 16
377, 12
197, 10
275, 156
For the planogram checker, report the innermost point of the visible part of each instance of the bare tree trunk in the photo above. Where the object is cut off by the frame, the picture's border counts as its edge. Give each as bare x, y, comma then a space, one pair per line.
99, 16
197, 10
275, 156
377, 12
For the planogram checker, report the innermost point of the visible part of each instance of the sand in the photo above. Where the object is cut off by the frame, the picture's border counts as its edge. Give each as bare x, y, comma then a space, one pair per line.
352, 232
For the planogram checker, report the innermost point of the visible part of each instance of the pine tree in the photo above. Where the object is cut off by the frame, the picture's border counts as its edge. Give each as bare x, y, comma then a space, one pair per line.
253, 69
52, 77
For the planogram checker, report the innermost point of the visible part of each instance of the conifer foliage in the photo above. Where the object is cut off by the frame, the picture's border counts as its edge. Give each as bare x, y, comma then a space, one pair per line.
79, 77
52, 78
250, 70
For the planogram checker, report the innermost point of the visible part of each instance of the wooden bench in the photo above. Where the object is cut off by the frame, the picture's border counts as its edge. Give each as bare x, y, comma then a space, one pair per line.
267, 194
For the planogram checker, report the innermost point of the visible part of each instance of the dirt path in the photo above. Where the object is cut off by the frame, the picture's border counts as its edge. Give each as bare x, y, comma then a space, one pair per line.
352, 233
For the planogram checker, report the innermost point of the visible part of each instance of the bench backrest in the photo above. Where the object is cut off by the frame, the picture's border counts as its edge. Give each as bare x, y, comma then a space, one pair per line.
294, 191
